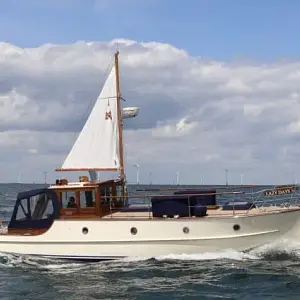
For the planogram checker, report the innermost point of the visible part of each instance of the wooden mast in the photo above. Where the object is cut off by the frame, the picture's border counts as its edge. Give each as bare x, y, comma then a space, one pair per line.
120, 124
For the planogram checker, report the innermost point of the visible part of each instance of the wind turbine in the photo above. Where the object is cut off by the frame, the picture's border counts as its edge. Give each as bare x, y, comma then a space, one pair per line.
137, 173
177, 178
150, 178
242, 175
226, 171
45, 176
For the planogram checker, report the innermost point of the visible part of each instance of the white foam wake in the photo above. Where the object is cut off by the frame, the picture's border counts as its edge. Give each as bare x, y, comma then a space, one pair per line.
228, 254
283, 246
290, 249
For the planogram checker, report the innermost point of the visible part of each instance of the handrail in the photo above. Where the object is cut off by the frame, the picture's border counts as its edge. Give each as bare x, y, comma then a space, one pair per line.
258, 199
282, 186
196, 188
173, 195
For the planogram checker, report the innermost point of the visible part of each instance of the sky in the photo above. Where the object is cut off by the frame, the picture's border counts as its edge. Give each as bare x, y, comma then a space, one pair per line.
217, 83
220, 29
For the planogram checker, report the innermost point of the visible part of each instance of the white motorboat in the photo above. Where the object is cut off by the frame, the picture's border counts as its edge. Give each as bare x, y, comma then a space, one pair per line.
92, 219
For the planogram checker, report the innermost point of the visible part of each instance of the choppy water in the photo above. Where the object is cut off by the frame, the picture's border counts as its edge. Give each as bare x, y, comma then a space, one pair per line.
269, 272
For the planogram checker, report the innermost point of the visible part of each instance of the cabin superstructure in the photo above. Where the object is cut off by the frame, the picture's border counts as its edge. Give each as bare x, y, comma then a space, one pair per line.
91, 199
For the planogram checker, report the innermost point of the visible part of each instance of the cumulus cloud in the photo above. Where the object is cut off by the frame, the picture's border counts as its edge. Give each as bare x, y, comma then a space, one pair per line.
197, 116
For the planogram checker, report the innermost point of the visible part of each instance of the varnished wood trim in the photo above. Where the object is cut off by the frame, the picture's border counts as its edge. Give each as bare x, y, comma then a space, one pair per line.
26, 231
59, 195
77, 199
120, 121
97, 201
68, 212
74, 189
87, 210
80, 216
86, 169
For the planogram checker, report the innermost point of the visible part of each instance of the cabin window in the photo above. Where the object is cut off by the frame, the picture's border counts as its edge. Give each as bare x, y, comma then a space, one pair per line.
41, 207
22, 213
35, 208
49, 211
67, 199
120, 194
109, 194
87, 199
105, 193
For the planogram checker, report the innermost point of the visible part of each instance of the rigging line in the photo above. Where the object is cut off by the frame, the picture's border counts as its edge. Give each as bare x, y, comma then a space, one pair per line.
91, 103
191, 112
103, 78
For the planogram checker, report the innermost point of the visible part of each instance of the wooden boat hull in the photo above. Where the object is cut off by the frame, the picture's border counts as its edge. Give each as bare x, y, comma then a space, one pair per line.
113, 239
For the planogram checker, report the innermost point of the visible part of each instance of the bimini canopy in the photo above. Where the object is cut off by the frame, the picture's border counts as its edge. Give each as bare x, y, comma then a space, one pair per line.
35, 209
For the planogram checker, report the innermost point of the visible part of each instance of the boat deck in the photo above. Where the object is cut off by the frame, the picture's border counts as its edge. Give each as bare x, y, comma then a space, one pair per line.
211, 213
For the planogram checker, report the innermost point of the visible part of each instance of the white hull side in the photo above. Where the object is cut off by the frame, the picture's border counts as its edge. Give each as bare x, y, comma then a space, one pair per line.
110, 238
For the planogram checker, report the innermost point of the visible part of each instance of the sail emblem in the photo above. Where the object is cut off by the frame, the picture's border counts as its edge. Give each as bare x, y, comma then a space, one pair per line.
108, 115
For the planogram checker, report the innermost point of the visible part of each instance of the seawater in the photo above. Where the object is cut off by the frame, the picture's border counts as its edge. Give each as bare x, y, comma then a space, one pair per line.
268, 272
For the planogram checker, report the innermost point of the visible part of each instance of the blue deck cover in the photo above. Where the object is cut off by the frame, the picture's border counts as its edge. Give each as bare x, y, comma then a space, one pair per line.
238, 205
209, 199
172, 205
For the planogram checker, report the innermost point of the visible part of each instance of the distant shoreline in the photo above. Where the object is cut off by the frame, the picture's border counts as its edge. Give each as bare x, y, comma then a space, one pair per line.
181, 186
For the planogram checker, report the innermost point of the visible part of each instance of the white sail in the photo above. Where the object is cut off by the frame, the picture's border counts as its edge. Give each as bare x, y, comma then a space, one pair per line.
96, 147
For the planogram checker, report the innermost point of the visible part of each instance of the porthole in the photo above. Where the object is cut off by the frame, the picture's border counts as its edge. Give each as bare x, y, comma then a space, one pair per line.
85, 230
236, 227
186, 230
133, 230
